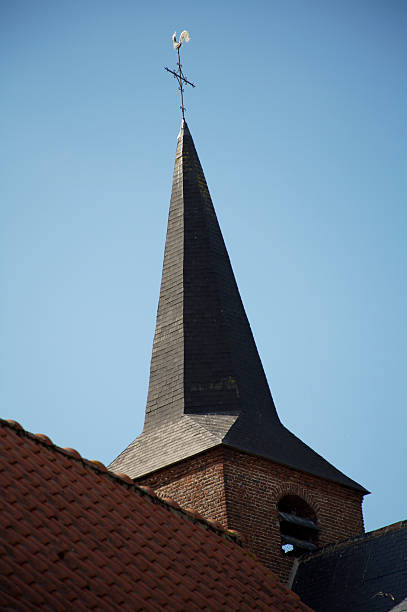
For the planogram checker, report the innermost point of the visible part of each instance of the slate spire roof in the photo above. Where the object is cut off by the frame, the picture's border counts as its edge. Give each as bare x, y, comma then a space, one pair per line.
207, 384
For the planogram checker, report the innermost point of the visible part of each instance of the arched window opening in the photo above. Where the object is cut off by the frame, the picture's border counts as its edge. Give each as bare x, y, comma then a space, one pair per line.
298, 526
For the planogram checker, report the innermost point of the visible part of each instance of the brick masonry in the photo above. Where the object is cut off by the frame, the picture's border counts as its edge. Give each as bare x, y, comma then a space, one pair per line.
242, 491
197, 483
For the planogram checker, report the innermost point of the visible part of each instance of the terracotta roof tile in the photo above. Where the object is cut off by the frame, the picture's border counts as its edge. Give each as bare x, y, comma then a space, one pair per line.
75, 535
44, 439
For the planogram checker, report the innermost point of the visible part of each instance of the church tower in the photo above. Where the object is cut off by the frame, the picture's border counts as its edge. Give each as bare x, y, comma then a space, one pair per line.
212, 439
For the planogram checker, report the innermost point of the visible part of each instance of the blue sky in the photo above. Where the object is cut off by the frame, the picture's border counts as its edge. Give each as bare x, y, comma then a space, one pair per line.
300, 123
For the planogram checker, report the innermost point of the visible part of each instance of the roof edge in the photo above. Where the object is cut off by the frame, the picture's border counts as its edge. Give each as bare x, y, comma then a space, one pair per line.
125, 481
369, 535
357, 486
177, 461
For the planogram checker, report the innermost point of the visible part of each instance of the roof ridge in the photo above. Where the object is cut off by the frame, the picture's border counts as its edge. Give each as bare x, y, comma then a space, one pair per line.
125, 480
368, 535
202, 427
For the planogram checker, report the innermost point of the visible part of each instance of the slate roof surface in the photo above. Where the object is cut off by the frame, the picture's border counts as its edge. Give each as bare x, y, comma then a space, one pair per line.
401, 607
207, 383
367, 573
75, 536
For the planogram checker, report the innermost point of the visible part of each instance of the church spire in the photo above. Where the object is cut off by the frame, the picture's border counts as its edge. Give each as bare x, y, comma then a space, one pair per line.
207, 385
205, 360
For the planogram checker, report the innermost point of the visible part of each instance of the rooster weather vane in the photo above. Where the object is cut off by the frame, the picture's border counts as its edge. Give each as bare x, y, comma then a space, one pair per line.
177, 73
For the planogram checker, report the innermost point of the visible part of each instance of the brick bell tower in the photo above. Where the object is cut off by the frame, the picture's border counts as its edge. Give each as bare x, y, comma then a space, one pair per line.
212, 439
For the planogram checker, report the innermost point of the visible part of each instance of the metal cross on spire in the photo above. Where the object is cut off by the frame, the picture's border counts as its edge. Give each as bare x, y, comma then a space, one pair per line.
179, 75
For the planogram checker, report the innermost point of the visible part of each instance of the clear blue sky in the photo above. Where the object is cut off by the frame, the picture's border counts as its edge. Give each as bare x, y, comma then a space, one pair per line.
299, 118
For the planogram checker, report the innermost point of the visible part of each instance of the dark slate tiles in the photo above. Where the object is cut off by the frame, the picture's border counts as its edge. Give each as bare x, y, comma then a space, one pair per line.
367, 573
165, 400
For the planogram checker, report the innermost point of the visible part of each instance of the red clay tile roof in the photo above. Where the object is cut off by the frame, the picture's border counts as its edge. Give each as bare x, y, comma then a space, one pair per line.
76, 536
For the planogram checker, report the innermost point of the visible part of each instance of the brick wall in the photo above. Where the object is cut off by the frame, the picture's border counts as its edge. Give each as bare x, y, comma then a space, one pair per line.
196, 483
253, 488
242, 491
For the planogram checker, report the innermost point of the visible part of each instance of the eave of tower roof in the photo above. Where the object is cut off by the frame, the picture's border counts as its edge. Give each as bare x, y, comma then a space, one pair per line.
207, 384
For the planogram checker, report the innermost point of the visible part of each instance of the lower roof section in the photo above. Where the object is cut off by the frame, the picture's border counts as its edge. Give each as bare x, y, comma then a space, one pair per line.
172, 442
189, 435
77, 537
367, 573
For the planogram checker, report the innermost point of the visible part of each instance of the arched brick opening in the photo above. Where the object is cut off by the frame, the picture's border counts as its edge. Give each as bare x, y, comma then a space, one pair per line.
298, 525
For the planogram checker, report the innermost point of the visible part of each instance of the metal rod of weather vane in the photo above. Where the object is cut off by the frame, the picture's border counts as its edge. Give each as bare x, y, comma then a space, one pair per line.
180, 84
